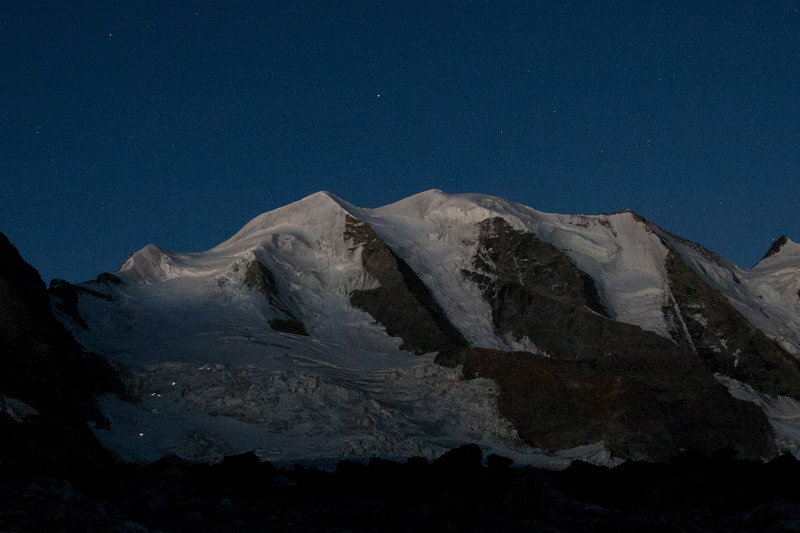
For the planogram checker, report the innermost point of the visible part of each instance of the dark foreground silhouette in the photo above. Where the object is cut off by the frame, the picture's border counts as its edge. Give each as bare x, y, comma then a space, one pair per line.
55, 475
456, 492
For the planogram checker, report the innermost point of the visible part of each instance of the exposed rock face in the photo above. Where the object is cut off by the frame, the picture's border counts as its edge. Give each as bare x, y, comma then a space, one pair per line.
517, 257
294, 327
401, 303
536, 292
776, 246
642, 394
107, 278
647, 404
259, 278
725, 340
43, 367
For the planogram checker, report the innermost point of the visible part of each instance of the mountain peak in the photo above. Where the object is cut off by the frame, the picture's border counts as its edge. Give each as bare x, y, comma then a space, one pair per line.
322, 196
151, 262
432, 193
782, 252
317, 200
435, 200
636, 216
316, 209
776, 246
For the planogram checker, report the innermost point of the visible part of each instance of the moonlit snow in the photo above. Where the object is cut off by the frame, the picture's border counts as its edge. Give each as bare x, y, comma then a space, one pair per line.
215, 379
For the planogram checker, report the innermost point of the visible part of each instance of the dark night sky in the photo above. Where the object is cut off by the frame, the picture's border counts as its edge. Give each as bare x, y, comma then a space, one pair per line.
124, 123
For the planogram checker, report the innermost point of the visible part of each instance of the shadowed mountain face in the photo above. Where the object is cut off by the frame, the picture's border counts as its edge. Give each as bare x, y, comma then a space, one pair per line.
47, 381
642, 404
401, 302
640, 393
725, 340
259, 278
591, 329
535, 292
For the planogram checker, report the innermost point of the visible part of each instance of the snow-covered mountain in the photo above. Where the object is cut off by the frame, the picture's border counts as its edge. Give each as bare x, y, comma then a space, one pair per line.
314, 331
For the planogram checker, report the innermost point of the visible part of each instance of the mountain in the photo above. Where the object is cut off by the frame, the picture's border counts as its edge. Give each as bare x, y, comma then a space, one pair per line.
324, 330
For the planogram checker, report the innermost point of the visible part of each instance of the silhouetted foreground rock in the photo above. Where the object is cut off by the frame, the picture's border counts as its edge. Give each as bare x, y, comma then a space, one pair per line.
453, 493
47, 382
55, 476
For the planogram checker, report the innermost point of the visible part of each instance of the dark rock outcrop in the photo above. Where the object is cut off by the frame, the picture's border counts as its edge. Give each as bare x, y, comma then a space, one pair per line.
643, 395
106, 278
259, 278
536, 292
466, 457
44, 367
642, 405
295, 327
401, 303
725, 340
779, 243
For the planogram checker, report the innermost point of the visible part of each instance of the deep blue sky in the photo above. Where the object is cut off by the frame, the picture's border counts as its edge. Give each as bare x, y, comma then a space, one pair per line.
124, 123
